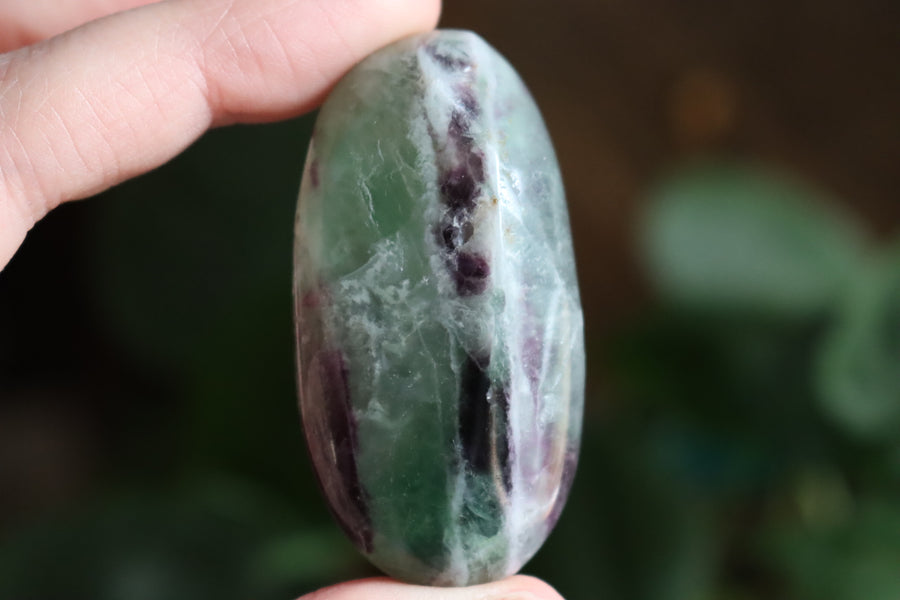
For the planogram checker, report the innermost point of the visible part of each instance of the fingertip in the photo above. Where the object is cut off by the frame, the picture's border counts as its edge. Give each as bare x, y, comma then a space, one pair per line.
382, 22
417, 15
518, 587
295, 49
531, 587
425, 13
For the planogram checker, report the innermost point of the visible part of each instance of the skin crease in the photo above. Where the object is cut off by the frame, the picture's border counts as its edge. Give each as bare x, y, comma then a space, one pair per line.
125, 85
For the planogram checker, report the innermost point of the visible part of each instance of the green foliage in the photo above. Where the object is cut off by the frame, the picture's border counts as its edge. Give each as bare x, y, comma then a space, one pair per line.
859, 363
857, 557
732, 237
774, 360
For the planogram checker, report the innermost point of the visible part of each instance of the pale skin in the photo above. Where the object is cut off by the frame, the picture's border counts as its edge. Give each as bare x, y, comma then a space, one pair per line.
93, 92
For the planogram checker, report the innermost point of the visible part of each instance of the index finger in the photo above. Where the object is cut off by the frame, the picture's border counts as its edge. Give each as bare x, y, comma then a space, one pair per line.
119, 96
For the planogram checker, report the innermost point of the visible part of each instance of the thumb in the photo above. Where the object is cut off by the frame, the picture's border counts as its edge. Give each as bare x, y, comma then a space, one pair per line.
519, 587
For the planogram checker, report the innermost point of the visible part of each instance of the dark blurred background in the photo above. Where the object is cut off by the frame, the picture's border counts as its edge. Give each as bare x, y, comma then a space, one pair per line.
732, 171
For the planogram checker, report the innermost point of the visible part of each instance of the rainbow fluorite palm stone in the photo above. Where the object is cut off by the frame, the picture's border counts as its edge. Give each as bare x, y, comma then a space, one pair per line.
439, 328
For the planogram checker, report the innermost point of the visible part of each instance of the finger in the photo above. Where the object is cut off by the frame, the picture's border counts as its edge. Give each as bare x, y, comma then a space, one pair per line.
122, 95
519, 587
24, 22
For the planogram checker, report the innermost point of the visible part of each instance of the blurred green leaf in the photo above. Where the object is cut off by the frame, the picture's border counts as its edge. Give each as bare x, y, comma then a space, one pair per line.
858, 559
859, 366
731, 237
822, 497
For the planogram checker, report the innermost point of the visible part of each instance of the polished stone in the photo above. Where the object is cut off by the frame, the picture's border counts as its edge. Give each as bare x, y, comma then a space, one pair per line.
440, 343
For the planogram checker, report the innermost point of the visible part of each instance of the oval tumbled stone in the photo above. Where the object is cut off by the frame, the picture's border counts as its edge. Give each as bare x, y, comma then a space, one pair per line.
439, 328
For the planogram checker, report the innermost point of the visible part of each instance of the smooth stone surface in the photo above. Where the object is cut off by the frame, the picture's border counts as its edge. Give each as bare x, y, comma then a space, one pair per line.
440, 344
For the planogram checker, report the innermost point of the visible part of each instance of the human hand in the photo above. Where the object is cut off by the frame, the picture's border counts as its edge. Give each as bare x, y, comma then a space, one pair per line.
118, 96
121, 95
